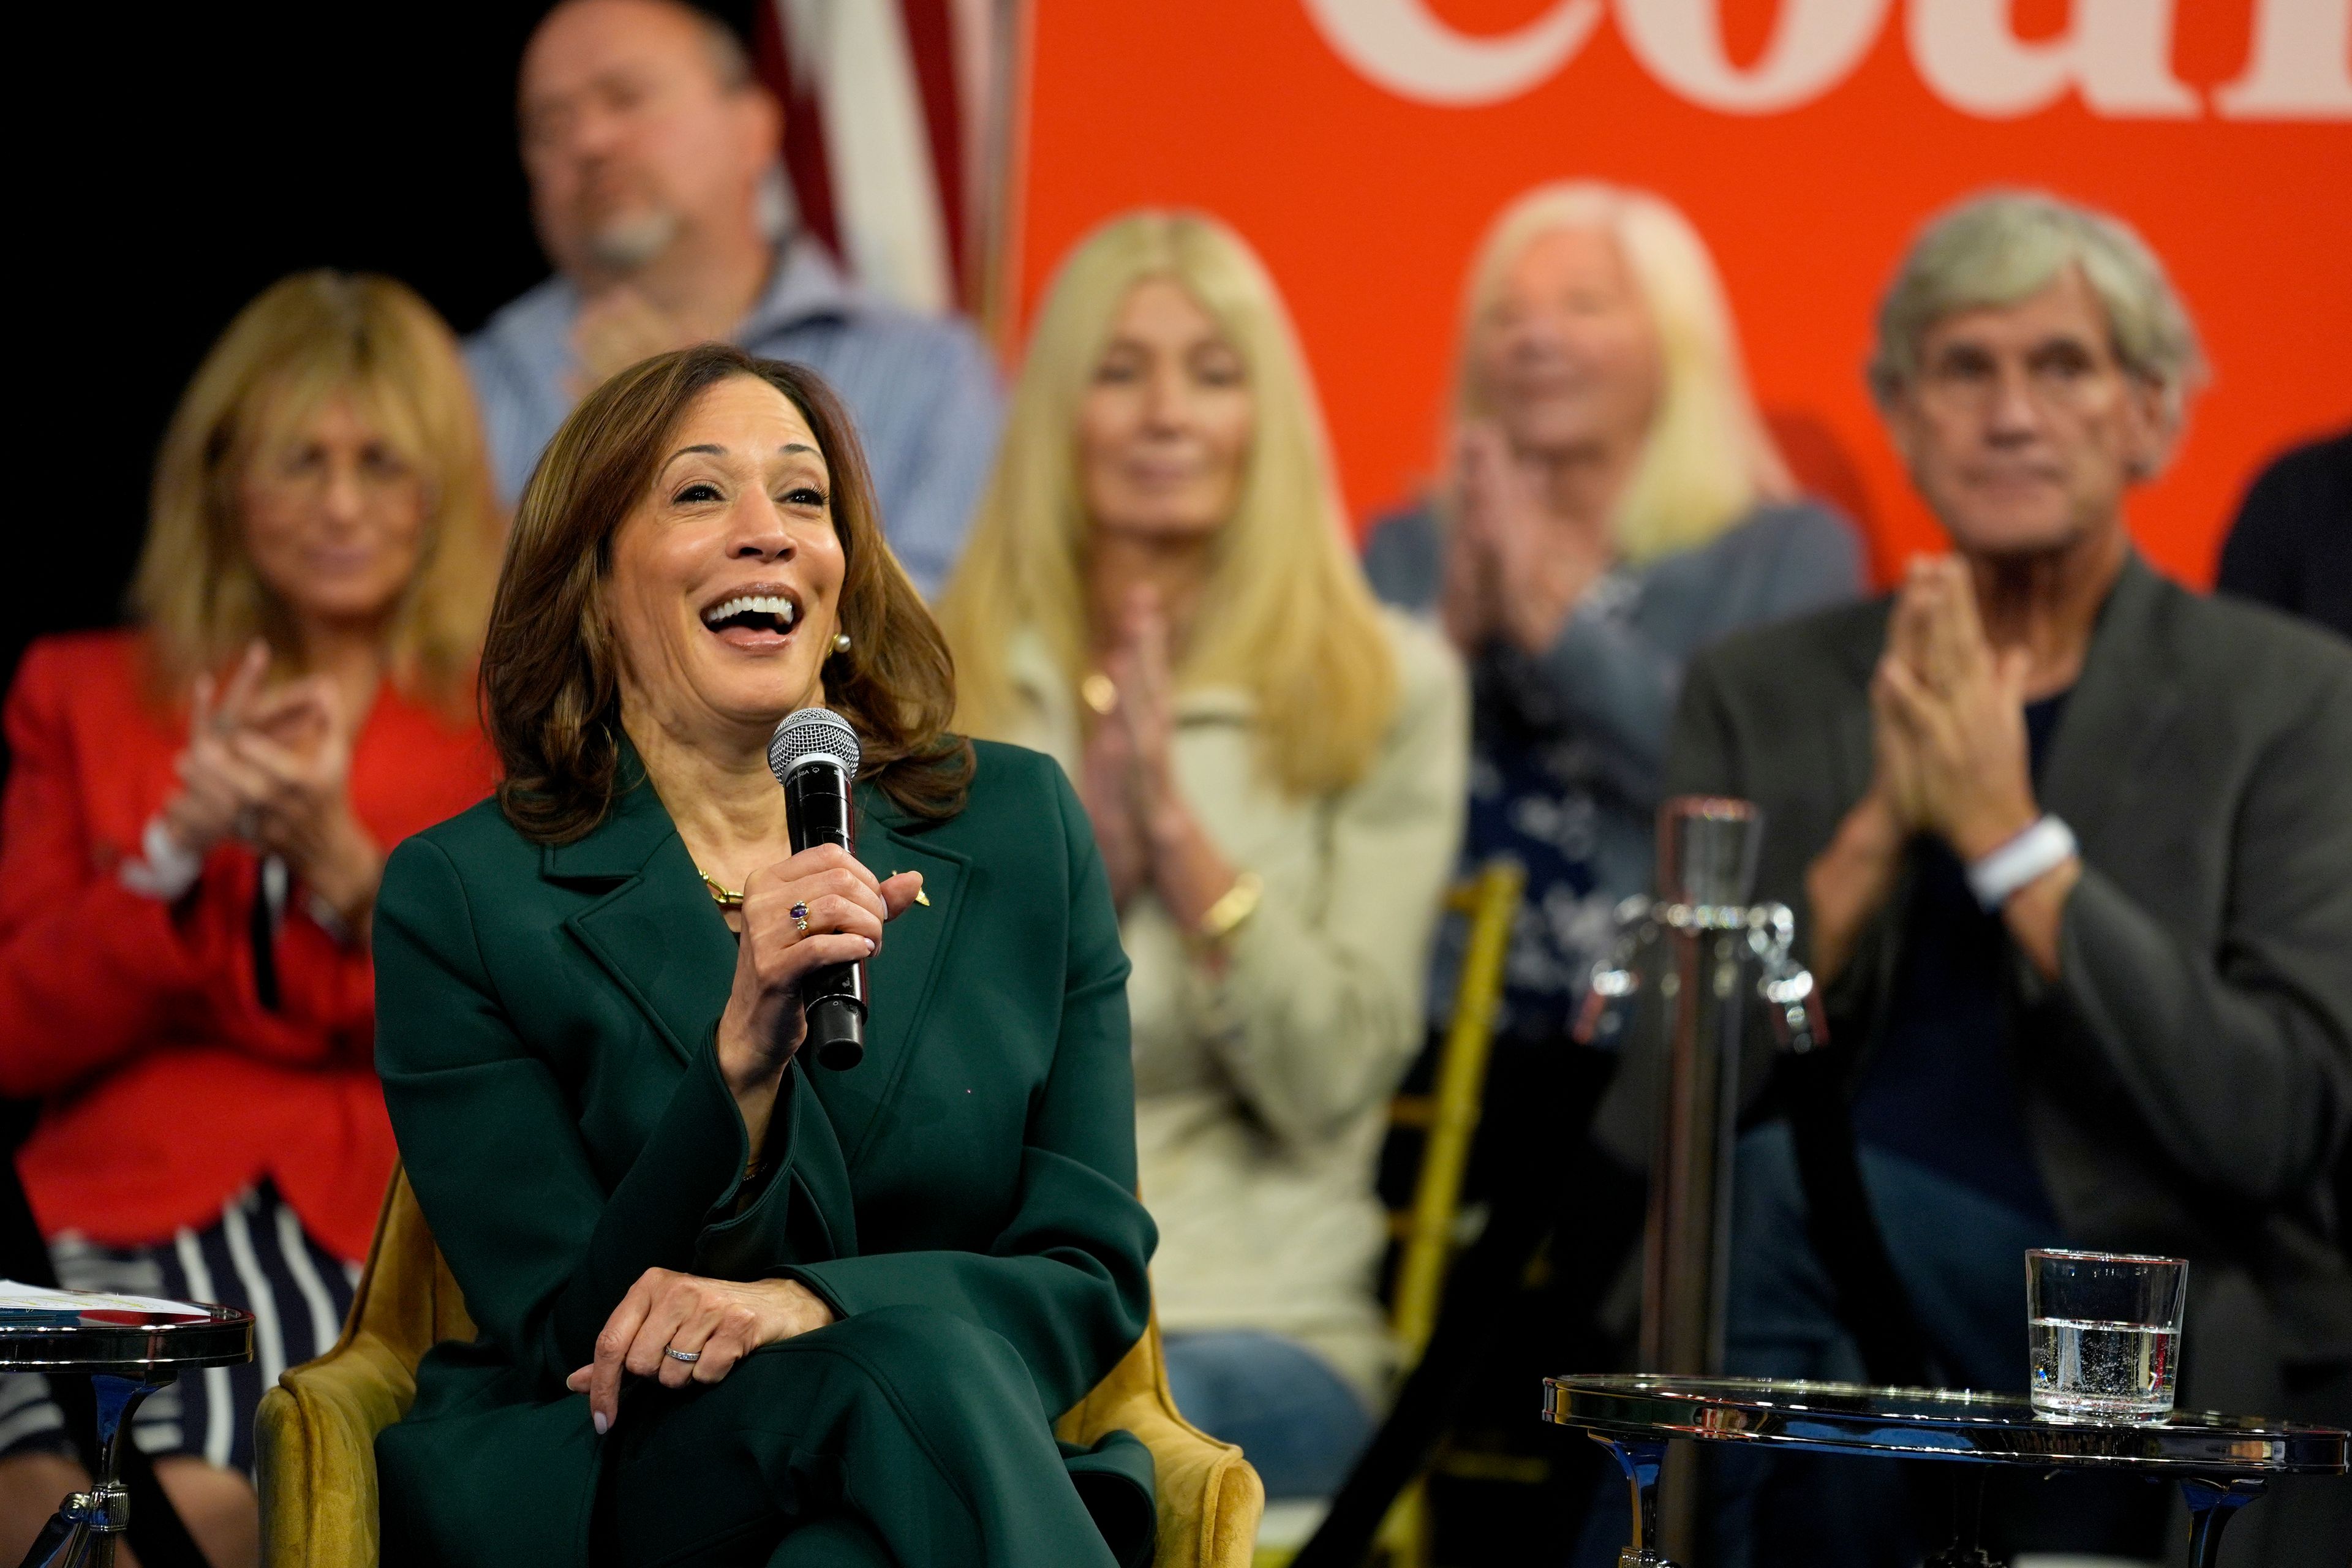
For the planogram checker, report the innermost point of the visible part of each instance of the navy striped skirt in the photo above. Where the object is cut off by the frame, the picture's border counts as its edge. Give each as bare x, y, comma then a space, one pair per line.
257, 1256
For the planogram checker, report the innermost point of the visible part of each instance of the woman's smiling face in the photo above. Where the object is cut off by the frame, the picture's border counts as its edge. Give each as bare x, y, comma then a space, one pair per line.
725, 591
333, 516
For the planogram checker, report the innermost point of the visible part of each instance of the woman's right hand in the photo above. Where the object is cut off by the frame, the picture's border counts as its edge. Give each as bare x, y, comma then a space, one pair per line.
846, 909
1105, 788
1466, 602
1538, 563
214, 786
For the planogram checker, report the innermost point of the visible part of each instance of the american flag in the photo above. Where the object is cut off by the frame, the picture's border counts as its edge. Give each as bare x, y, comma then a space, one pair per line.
897, 132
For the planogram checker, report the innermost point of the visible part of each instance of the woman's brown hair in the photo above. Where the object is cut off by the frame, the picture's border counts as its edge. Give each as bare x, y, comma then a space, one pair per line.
550, 670
303, 341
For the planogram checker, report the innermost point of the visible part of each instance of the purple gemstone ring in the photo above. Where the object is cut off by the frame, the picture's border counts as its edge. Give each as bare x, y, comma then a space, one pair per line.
800, 918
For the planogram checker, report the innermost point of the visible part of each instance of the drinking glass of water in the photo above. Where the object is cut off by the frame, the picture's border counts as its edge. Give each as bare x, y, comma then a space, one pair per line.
2105, 1329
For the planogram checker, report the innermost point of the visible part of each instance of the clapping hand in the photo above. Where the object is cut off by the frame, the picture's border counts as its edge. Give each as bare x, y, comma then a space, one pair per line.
296, 748
1513, 570
682, 1329
1467, 604
1949, 717
273, 768
1948, 757
1143, 824
1106, 768
1139, 670
1126, 775
215, 788
615, 331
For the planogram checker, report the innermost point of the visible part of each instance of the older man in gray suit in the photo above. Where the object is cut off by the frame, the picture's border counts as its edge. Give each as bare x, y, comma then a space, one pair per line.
2073, 849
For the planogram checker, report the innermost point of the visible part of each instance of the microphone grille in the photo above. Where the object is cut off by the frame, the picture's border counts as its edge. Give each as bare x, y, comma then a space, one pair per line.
808, 733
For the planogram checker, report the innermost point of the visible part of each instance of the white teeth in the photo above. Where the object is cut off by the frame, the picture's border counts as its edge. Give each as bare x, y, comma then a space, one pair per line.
749, 603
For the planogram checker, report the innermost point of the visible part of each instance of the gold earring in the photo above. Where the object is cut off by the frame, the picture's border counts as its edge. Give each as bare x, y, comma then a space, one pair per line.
841, 642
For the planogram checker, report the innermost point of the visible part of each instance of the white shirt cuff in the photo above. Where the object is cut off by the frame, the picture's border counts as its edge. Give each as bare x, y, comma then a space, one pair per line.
167, 871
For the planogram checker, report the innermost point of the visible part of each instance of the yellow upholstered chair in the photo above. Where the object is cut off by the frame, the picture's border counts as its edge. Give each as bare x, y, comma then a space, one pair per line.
316, 1431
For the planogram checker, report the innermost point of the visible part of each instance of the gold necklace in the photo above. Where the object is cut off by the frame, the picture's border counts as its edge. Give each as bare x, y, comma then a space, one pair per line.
726, 898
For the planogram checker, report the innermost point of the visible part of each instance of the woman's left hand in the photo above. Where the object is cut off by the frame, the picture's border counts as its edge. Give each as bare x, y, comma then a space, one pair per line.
298, 746
1145, 713
716, 1322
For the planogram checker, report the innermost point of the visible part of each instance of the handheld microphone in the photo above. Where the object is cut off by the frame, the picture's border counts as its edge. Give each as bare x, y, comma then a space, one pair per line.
814, 754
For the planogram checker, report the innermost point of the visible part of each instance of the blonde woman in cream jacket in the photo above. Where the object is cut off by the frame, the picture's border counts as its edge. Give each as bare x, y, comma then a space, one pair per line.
1160, 593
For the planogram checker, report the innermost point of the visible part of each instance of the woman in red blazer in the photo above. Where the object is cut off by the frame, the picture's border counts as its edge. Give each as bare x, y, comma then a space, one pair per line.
197, 814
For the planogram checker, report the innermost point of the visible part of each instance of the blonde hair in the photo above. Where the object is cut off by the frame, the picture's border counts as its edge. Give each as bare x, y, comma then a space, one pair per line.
305, 340
1996, 249
1285, 613
1708, 460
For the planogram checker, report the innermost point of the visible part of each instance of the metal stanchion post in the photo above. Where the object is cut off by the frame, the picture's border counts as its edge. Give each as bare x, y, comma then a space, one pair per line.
1701, 940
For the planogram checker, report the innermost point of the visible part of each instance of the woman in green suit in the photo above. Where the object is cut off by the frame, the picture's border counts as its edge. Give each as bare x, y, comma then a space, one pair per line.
735, 1308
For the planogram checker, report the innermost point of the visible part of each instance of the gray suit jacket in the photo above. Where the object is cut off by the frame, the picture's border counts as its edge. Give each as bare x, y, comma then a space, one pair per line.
2187, 1081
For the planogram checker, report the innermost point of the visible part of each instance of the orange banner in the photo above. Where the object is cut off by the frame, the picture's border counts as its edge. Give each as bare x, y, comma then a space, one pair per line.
1362, 145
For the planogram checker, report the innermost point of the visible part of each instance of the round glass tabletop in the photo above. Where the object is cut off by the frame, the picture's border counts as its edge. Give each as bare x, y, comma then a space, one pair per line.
1933, 1423
135, 1340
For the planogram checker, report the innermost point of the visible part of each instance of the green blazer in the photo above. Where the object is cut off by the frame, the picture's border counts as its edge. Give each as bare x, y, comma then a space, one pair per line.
545, 1027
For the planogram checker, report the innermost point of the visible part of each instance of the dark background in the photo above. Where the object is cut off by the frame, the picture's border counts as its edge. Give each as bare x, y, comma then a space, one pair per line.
205, 153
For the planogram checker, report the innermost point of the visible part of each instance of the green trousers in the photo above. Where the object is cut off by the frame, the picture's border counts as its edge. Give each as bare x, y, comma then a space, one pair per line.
905, 1437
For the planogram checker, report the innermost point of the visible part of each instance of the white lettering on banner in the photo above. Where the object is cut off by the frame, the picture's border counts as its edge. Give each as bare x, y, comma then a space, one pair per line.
1815, 45
2302, 66
2117, 54
1399, 45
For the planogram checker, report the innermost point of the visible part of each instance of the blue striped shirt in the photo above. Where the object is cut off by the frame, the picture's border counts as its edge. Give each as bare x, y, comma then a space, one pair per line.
924, 393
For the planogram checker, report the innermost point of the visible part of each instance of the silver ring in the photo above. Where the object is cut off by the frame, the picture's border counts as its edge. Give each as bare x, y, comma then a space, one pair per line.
690, 1357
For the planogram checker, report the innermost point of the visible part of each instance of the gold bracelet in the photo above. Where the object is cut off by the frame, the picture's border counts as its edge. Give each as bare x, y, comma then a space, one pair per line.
1233, 906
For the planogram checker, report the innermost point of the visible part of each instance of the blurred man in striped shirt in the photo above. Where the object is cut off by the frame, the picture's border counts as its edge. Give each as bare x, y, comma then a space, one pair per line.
646, 137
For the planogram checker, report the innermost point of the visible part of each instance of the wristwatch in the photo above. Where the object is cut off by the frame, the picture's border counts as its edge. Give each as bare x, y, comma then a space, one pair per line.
1995, 876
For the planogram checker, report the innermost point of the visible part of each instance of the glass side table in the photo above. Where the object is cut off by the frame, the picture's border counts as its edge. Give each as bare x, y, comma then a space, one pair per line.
127, 1355
2222, 1462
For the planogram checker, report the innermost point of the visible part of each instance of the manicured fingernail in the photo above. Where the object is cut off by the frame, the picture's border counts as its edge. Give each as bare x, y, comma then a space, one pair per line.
597, 1418
869, 947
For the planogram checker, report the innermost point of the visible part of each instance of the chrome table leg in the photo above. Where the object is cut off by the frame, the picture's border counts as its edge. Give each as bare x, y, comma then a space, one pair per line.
2210, 1505
1640, 1461
87, 1524
1967, 1548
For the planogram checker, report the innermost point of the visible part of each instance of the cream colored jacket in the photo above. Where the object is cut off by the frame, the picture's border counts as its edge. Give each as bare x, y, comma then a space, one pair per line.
1261, 1097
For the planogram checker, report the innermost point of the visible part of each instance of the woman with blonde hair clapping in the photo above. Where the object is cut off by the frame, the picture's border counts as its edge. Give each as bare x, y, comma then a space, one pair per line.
197, 812
1160, 593
1614, 503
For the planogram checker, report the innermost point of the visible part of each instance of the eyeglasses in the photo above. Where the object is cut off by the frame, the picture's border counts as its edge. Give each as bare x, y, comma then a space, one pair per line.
309, 469
2056, 378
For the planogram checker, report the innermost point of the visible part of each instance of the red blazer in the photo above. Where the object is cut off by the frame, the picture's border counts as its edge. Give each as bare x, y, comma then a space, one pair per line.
168, 1087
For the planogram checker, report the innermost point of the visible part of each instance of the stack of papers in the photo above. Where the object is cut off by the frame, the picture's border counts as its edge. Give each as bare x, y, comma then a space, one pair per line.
40, 1304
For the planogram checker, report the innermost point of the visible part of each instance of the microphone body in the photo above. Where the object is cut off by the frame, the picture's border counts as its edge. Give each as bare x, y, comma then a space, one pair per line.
814, 755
